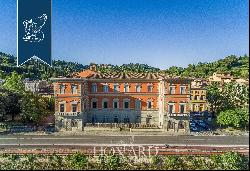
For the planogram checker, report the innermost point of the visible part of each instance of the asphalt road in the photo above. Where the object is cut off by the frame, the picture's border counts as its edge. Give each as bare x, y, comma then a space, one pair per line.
50, 140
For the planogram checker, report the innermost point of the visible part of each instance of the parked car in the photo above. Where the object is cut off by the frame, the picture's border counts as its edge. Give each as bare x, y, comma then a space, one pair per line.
193, 128
192, 124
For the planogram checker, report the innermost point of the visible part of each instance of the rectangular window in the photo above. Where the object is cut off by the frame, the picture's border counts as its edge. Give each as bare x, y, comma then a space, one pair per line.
62, 89
115, 105
62, 108
138, 104
94, 88
115, 88
171, 107
105, 105
182, 90
105, 88
201, 98
149, 105
182, 108
74, 107
73, 89
150, 88
126, 105
172, 90
138, 88
126, 88
94, 105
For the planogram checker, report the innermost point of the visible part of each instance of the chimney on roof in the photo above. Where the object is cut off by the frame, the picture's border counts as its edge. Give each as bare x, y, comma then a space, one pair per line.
93, 67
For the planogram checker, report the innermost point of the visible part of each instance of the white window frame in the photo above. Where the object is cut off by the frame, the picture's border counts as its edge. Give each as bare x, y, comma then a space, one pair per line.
105, 100
184, 90
126, 85
94, 88
151, 87
184, 104
126, 100
74, 103
64, 103
116, 85
60, 89
173, 111
136, 106
170, 89
73, 92
151, 102
105, 88
139, 86
94, 100
117, 101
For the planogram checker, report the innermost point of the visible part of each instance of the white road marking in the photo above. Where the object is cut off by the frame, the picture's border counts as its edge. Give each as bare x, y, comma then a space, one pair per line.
8, 138
58, 138
93, 144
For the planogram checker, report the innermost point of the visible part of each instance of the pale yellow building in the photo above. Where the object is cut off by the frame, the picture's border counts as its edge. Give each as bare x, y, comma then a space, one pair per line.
198, 97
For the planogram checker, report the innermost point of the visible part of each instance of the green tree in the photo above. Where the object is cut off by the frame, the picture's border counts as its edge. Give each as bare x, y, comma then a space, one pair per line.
34, 108
14, 83
214, 97
9, 104
238, 117
229, 118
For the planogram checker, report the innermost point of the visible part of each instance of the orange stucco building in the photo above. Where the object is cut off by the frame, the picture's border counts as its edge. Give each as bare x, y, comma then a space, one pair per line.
144, 98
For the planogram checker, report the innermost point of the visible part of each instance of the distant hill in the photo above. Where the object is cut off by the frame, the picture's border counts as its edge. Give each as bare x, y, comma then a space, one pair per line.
237, 66
33, 69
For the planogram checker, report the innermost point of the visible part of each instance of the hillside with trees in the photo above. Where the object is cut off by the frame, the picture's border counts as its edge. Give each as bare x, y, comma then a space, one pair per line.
34, 69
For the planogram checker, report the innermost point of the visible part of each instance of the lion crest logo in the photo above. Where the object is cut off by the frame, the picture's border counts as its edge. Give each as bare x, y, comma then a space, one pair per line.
33, 29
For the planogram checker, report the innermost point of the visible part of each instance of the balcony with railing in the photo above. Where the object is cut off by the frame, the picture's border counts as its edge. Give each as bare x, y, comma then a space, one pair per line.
68, 113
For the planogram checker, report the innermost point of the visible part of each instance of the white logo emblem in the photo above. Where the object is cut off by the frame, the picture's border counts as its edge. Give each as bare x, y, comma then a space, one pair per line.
33, 28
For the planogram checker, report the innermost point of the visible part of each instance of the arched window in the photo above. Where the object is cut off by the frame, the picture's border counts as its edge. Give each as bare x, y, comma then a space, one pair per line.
126, 87
126, 103
94, 88
150, 88
138, 87
105, 103
105, 88
116, 103
62, 89
116, 87
94, 103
